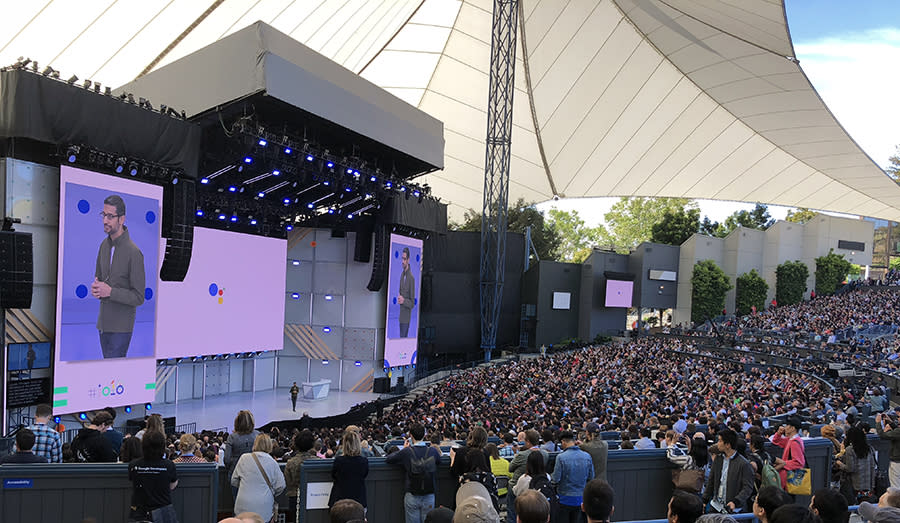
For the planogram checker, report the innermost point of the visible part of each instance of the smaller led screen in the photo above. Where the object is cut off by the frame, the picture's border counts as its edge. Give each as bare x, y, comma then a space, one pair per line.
27, 356
404, 279
618, 293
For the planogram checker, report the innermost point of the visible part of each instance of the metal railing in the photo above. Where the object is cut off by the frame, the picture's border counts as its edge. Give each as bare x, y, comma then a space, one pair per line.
746, 516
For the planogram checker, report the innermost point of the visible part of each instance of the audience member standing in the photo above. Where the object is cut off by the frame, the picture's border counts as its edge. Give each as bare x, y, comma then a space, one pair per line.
532, 507
597, 501
153, 478
46, 440
890, 431
258, 480
349, 471
730, 483
596, 448
24, 450
303, 445
90, 445
114, 436
420, 463
239, 442
794, 455
517, 467
571, 473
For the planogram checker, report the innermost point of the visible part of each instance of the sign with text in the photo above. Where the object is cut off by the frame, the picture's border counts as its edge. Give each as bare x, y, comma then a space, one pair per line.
317, 495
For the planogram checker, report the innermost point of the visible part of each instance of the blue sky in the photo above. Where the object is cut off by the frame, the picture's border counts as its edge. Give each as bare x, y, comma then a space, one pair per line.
851, 53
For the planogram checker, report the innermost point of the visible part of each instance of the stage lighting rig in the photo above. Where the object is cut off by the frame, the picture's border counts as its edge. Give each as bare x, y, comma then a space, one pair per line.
72, 79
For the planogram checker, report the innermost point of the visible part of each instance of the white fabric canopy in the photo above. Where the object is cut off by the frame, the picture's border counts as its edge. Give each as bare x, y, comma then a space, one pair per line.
692, 98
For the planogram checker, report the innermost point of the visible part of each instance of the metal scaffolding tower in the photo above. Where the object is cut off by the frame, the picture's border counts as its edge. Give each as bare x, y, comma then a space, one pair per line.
496, 168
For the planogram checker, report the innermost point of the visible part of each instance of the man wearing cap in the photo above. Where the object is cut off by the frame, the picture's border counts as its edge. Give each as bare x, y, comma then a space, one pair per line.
886, 511
596, 448
887, 429
794, 455
571, 473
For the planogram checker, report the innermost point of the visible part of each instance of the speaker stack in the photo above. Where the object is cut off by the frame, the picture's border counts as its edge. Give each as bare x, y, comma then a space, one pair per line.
16, 270
179, 203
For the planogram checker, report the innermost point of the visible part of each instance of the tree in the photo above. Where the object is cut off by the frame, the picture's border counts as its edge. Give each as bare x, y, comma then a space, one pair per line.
630, 221
708, 287
800, 215
893, 170
757, 218
709, 227
576, 240
790, 282
894, 263
676, 226
521, 215
831, 270
750, 292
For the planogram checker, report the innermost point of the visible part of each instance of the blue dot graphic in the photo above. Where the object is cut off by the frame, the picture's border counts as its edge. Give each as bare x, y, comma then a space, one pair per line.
395, 300
213, 289
84, 206
150, 217
148, 294
415, 301
417, 257
81, 291
396, 254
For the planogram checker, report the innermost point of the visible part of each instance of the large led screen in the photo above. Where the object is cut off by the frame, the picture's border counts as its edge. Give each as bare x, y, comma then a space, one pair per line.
231, 300
404, 280
618, 293
109, 238
28, 356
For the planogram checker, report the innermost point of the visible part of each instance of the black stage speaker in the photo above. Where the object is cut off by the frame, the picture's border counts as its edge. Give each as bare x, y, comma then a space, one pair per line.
16, 270
382, 385
179, 205
363, 248
382, 252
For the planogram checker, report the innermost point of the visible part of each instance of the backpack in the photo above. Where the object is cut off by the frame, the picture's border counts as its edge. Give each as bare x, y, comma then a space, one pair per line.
542, 484
769, 476
421, 473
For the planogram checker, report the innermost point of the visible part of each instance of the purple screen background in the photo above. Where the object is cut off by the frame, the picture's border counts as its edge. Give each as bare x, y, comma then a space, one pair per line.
402, 351
618, 293
79, 339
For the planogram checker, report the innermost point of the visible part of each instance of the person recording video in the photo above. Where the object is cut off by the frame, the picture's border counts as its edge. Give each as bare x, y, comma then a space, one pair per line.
119, 280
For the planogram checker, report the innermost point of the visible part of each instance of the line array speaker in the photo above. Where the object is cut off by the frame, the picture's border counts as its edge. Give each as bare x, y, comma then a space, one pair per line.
16, 270
379, 265
179, 203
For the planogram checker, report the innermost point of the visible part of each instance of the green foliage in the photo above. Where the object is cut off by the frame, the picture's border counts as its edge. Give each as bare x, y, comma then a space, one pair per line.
600, 339
895, 263
800, 215
630, 221
856, 270
521, 215
893, 169
790, 282
676, 226
709, 285
709, 227
576, 240
751, 291
831, 270
652, 320
757, 218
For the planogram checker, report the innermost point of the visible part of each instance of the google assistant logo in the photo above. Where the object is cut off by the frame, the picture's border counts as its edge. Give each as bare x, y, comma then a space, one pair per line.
217, 293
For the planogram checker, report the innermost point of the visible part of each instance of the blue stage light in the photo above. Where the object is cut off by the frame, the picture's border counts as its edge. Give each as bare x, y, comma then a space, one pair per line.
328, 297
349, 171
324, 362
416, 194
287, 201
132, 170
252, 222
120, 168
348, 189
204, 181
350, 216
388, 185
57, 419
127, 409
234, 218
262, 142
82, 416
148, 406
289, 228
309, 158
276, 172
357, 363
326, 182
287, 150
326, 329
199, 212
248, 159
330, 165
373, 179
221, 216
261, 194
402, 189
309, 206
232, 189
295, 295
295, 262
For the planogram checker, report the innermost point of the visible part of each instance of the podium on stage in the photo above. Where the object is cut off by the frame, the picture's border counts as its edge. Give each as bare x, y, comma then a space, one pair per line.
316, 390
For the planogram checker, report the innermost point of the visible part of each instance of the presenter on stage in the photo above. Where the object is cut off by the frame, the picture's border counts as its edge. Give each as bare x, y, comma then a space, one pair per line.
407, 295
118, 281
295, 390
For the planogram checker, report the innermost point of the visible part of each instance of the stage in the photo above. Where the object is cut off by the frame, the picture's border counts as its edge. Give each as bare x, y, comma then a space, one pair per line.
216, 412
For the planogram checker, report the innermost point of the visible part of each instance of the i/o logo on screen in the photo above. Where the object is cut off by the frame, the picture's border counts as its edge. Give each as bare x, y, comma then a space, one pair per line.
217, 293
113, 389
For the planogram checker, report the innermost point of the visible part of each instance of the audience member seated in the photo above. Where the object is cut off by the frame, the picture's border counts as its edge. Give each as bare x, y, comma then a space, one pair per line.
347, 510
887, 509
597, 501
767, 501
830, 506
532, 507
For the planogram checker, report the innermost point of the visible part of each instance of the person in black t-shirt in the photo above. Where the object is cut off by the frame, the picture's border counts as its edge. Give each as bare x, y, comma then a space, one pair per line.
153, 478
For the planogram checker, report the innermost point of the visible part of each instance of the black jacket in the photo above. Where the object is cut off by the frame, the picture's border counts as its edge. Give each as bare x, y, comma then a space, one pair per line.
739, 486
92, 446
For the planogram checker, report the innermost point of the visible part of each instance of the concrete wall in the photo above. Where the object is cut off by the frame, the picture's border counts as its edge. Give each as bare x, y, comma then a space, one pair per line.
538, 286
654, 294
696, 248
743, 252
594, 317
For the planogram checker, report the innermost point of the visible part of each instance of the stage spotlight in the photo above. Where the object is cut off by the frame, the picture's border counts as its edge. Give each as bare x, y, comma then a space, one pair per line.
373, 179
130, 98
234, 219
47, 71
148, 406
330, 165
287, 150
120, 164
350, 216
199, 212
56, 419
127, 409
248, 159
289, 228
326, 329
331, 211
133, 168
204, 181
232, 189
388, 185
326, 182
72, 153
225, 357
87, 84
261, 194
328, 297
402, 188
221, 216
252, 222
295, 295
262, 143
82, 416
107, 91
349, 171
276, 172
295, 262
417, 194
356, 174
324, 362
309, 158
357, 363
309, 206
72, 79
287, 201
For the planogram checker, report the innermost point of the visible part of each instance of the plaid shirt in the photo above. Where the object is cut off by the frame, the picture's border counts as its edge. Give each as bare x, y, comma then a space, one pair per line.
507, 451
46, 442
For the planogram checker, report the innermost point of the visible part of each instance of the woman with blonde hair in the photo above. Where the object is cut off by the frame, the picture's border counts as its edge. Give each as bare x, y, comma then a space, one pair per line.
258, 480
349, 471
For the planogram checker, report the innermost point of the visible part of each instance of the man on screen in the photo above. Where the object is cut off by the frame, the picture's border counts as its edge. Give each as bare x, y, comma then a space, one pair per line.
407, 296
118, 280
